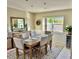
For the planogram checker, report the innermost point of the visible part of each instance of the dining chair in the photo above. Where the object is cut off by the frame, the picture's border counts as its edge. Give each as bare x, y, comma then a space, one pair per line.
34, 34
25, 35
9, 40
41, 50
59, 39
50, 40
16, 34
19, 45
9, 43
9, 34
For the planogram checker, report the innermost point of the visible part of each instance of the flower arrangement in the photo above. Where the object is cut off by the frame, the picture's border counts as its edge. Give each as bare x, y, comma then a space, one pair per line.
68, 28
15, 25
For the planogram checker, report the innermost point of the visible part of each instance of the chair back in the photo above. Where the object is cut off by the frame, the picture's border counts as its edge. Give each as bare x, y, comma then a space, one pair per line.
50, 36
25, 35
59, 38
18, 43
9, 34
33, 33
44, 40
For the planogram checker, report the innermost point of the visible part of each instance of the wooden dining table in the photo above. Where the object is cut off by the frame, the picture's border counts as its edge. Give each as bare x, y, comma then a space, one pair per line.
31, 43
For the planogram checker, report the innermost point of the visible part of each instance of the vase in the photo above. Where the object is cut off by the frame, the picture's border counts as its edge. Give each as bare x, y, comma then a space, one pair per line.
69, 33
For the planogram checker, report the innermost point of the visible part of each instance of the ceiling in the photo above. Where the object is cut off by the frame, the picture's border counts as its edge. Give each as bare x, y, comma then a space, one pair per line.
40, 5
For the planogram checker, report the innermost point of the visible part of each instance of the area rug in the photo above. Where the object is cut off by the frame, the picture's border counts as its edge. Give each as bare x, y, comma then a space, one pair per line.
52, 54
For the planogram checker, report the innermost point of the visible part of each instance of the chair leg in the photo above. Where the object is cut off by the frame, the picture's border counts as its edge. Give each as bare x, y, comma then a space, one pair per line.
50, 44
40, 53
23, 53
17, 53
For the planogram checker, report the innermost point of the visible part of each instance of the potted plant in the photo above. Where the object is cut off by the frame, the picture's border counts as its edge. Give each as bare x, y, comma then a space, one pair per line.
68, 28
15, 25
26, 26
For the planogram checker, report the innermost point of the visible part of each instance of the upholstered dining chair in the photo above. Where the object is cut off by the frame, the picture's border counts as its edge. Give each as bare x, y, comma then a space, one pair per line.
9, 34
50, 40
59, 39
34, 34
25, 35
42, 49
9, 40
19, 45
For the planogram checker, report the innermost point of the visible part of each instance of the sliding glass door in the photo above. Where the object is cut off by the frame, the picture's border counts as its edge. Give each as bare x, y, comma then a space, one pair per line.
54, 23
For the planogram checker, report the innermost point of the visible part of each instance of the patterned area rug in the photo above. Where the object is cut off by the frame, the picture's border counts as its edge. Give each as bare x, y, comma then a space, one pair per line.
64, 54
52, 54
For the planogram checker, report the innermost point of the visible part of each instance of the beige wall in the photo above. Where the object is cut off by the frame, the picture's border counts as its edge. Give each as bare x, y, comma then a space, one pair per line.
30, 20
32, 17
66, 13
29, 17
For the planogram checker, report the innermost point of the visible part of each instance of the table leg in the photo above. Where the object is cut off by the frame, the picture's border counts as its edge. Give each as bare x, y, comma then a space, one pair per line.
24, 54
30, 52
12, 42
45, 48
17, 53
